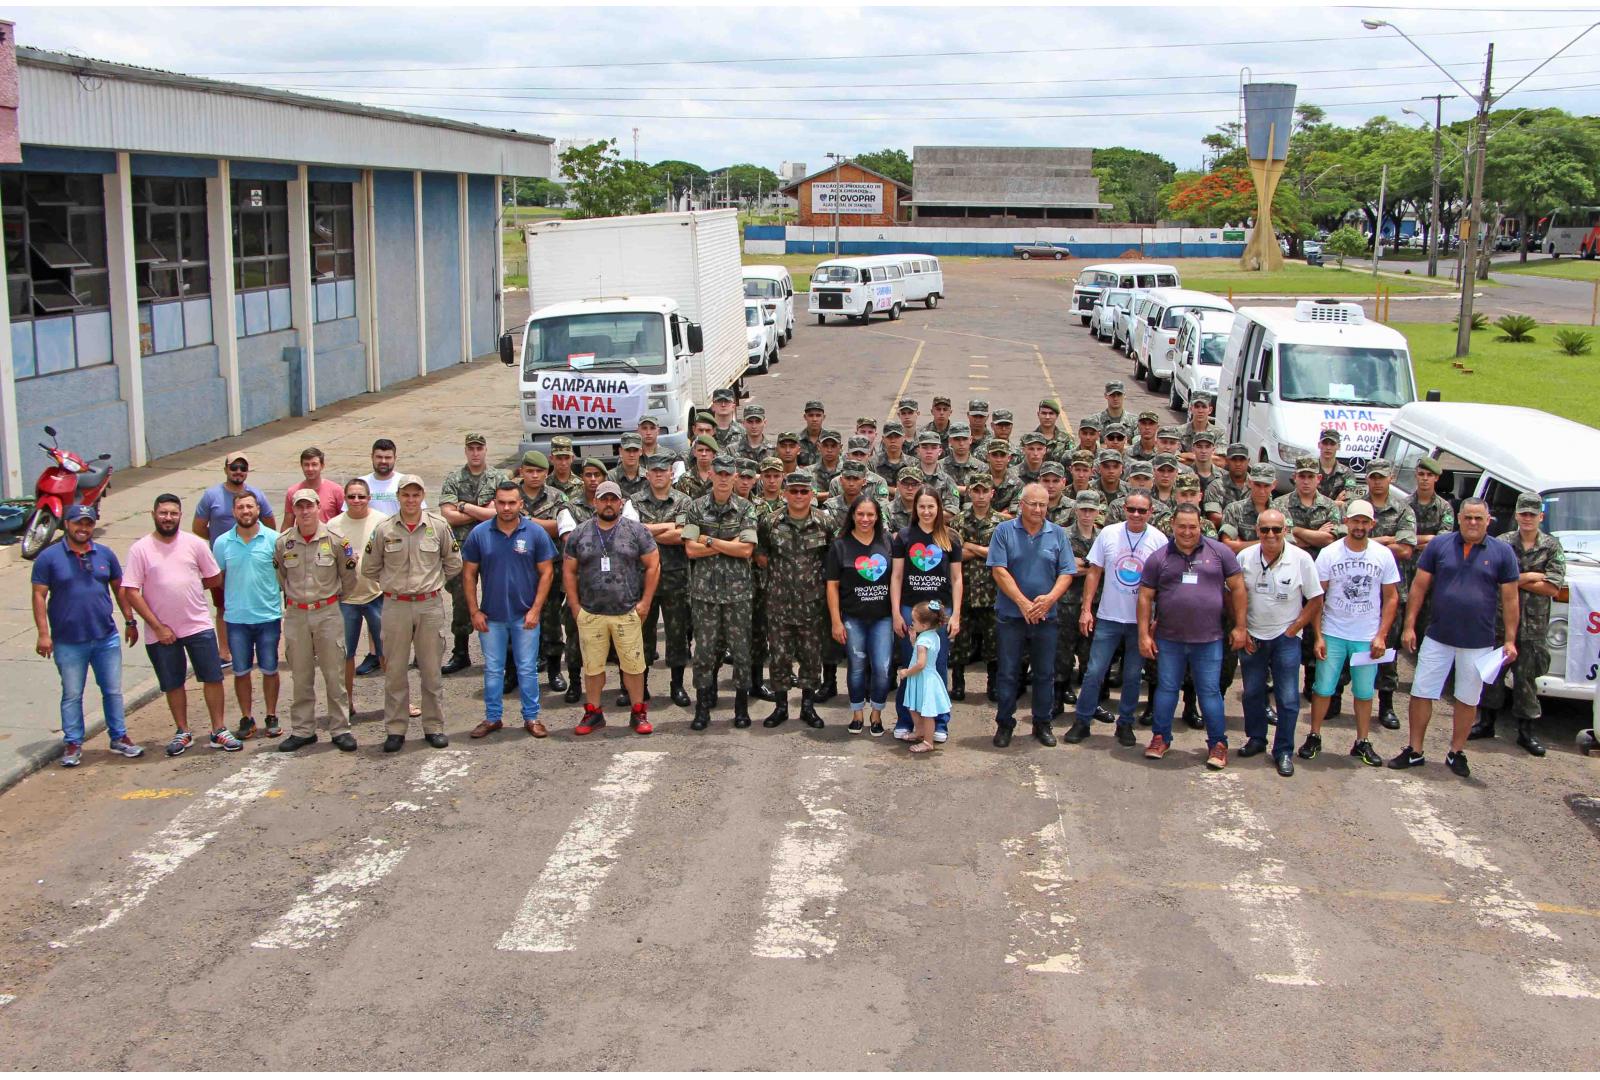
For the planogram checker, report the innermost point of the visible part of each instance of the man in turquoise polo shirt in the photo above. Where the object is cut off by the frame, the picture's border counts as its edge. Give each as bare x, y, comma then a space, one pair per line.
252, 610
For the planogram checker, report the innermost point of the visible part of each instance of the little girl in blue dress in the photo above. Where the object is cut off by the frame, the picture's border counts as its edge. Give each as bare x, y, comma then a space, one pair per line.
925, 696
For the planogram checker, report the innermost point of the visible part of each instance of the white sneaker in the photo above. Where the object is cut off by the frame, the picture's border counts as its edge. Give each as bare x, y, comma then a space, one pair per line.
903, 734
126, 747
940, 736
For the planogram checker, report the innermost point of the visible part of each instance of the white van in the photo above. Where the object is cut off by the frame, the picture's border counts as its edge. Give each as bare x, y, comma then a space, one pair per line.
773, 286
1197, 356
924, 280
1291, 372
858, 287
1155, 331
1118, 275
1496, 452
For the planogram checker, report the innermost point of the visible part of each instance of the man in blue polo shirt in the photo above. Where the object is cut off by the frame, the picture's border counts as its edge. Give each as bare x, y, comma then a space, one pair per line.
252, 610
1032, 563
513, 557
72, 613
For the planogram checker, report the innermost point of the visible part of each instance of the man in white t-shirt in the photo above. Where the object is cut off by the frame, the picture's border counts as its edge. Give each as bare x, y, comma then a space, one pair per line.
383, 482
1360, 582
1285, 596
1117, 558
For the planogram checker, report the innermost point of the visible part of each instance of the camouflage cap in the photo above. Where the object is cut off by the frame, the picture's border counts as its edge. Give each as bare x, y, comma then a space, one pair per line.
475, 438
755, 412
788, 436
1035, 438
814, 406
829, 435
561, 444
1115, 387
997, 446
631, 441
977, 407
1330, 435
1203, 395
1238, 449
853, 469
1107, 457
797, 479
858, 444
1164, 461
1089, 423
1141, 468
658, 461
772, 464
940, 399
536, 460
1050, 403
748, 467
1149, 416
1115, 430
959, 431
1380, 467
1430, 465
1305, 463
907, 404
908, 473
982, 480
867, 421
1186, 482
1169, 432
1001, 416
724, 394
1088, 500
592, 463
1528, 503
893, 427
1207, 436
929, 438
707, 441
722, 463
1263, 473
1053, 468
648, 419
1082, 457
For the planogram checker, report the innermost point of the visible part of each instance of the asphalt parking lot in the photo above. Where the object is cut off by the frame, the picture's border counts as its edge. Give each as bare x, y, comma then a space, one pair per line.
795, 899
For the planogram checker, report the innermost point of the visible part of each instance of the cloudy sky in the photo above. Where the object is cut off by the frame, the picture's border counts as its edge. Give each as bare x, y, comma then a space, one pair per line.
770, 82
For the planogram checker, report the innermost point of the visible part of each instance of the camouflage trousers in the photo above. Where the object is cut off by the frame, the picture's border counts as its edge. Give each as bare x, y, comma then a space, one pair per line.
976, 640
460, 620
1072, 646
551, 639
759, 623
794, 653
671, 605
720, 628
1533, 660
1389, 674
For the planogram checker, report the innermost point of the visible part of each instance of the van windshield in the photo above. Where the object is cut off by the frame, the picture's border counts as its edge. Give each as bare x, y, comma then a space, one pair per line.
1343, 375
622, 341
835, 275
761, 289
1575, 510
1212, 346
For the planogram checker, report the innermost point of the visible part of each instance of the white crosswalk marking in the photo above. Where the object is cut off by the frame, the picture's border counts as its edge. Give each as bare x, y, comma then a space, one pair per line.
335, 896
181, 840
1496, 899
1273, 906
561, 898
7, 999
1044, 939
803, 888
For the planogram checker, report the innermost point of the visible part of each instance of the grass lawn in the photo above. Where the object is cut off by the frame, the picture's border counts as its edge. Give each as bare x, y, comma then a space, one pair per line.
1570, 269
1221, 275
1535, 373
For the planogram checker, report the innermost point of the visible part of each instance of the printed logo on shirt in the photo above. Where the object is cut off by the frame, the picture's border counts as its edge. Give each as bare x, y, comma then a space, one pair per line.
1129, 569
872, 567
926, 556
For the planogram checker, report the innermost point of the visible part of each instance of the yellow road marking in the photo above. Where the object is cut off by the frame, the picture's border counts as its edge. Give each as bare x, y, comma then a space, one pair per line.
905, 382
157, 793
1051, 383
272, 793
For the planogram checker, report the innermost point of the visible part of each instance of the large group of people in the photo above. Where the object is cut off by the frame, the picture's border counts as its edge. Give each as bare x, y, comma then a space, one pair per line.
1123, 552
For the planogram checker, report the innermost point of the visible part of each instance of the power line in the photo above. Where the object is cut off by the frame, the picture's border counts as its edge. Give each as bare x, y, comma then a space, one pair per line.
1157, 46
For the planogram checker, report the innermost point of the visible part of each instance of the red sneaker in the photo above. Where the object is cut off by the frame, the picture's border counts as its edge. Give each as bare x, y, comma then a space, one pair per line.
1157, 748
640, 722
1218, 758
592, 718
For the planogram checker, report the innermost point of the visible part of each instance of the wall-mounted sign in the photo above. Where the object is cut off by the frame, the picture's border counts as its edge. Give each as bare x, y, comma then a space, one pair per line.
847, 198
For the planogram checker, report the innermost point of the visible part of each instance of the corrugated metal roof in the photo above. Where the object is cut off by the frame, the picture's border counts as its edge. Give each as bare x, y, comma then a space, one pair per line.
81, 102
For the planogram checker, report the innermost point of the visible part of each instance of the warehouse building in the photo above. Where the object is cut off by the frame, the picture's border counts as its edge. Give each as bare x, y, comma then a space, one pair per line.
1004, 186
863, 197
187, 259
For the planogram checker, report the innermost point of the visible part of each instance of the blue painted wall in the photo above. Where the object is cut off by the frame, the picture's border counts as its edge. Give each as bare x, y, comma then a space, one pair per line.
185, 400
263, 377
396, 315
84, 408
483, 220
1079, 251
341, 361
441, 238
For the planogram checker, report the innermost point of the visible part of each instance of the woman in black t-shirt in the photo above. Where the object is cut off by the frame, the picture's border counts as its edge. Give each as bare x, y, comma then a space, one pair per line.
927, 566
857, 573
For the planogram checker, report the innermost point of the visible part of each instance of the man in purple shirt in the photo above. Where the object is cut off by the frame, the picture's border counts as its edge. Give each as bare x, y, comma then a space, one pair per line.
1186, 589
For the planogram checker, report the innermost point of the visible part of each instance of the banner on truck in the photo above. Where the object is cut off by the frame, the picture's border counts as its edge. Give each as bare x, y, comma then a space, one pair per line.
1583, 631
850, 198
586, 403
1360, 429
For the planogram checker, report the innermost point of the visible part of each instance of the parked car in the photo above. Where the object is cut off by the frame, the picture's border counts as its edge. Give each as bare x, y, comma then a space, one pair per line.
773, 286
1122, 325
1107, 304
1313, 252
1155, 331
1041, 249
1197, 356
760, 336
1092, 280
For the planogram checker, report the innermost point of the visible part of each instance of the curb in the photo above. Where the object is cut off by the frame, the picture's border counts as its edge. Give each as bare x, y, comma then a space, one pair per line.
33, 761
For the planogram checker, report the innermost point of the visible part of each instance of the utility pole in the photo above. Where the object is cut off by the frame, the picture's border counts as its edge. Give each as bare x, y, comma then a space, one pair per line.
1469, 243
1438, 160
1377, 233
636, 144
837, 159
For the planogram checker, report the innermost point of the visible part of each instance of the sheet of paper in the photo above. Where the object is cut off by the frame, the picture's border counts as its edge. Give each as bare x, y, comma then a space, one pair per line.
1489, 665
1366, 659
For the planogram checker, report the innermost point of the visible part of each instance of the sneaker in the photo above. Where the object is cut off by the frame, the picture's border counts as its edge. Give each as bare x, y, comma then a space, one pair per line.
181, 741
1218, 758
1157, 748
224, 740
72, 756
940, 735
857, 726
1456, 762
126, 747
273, 729
1363, 750
1311, 747
876, 729
592, 718
369, 666
640, 722
246, 728
1125, 735
1407, 759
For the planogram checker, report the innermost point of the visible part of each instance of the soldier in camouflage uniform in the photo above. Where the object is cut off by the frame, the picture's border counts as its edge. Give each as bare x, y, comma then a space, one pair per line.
1141, 477
1315, 521
891, 455
975, 525
810, 439
1232, 485
854, 480
719, 536
1108, 481
1035, 452
1238, 529
744, 481
768, 495
793, 546
765, 493
1059, 508
1002, 477
562, 460
723, 404
1185, 492
464, 500
788, 451
825, 469
1170, 443
545, 505
1072, 645
940, 424
1202, 459
1059, 442
1543, 574
906, 411
1000, 424
696, 479
1334, 477
651, 445
959, 465
629, 474
1088, 436
1142, 447
1166, 476
753, 444
1113, 413
659, 507
1080, 472
929, 475
1114, 437
902, 505
978, 422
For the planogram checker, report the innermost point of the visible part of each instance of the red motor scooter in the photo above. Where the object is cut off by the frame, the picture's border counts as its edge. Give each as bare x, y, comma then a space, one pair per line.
68, 482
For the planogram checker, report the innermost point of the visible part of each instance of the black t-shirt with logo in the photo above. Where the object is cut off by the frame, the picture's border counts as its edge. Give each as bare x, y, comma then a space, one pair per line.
862, 571
927, 570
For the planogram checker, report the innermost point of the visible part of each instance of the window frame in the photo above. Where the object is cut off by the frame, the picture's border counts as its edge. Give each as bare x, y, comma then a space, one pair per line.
335, 198
187, 209
66, 211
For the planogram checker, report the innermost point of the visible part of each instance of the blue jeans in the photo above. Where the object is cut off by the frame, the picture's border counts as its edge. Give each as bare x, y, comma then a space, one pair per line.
1012, 638
525, 651
907, 651
869, 643
1102, 650
1201, 660
1282, 656
73, 662
254, 640
370, 613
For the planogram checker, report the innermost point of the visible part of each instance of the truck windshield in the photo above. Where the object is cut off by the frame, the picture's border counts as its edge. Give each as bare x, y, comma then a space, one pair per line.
835, 275
1574, 510
1212, 346
1343, 375
761, 289
618, 341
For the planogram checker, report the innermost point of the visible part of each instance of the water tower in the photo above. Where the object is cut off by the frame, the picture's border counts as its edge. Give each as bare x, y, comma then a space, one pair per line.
1268, 121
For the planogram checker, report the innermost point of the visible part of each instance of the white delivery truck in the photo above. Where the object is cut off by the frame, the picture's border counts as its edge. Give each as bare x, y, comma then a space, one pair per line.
631, 316
1292, 372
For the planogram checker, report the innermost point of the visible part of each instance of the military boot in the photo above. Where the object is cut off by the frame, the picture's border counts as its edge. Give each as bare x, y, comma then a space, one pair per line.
680, 696
741, 708
702, 710
992, 670
808, 711
1335, 706
574, 686
1484, 728
1058, 704
557, 683
958, 684
830, 683
1386, 715
459, 660
624, 699
759, 689
1191, 709
1525, 738
780, 712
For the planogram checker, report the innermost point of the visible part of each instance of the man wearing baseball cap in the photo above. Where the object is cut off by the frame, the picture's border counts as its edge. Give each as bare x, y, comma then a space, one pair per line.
978, 420
719, 537
315, 569
940, 424
811, 437
891, 456
213, 513
724, 402
1113, 413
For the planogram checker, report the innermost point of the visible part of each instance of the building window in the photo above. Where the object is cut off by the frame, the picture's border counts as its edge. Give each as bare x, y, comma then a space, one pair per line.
333, 251
56, 280
171, 264
261, 255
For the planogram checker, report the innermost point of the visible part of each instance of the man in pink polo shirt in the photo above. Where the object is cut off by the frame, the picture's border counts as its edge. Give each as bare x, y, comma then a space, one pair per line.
330, 496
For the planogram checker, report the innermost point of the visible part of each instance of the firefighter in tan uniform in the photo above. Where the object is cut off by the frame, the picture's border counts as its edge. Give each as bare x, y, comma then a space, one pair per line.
316, 567
411, 556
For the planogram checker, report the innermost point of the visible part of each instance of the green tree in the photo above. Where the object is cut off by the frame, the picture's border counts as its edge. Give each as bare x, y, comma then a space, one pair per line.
1541, 162
744, 181
601, 183
680, 176
1131, 181
1227, 146
537, 191
1345, 242
895, 164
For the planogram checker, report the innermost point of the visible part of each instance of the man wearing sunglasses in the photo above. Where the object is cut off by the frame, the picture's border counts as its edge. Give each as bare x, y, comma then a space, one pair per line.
1284, 597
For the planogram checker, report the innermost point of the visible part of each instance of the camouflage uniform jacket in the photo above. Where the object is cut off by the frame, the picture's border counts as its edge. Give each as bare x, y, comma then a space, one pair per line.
1222, 493
568, 487
743, 447
662, 450
1547, 558
873, 486
1007, 492
725, 436
1432, 519
767, 507
899, 517
630, 488
1186, 435
810, 449
959, 472
890, 470
1162, 522
1321, 511
1127, 419
461, 486
1336, 482
1072, 599
944, 436
691, 484
1063, 513
653, 511
1239, 519
1135, 452
977, 582
547, 506
822, 476
1158, 506
796, 552
1060, 446
944, 488
719, 578
1396, 520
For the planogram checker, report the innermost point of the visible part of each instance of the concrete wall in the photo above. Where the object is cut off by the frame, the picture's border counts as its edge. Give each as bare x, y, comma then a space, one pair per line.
396, 260
185, 400
441, 239
1030, 176
1086, 243
84, 408
341, 361
264, 390
483, 231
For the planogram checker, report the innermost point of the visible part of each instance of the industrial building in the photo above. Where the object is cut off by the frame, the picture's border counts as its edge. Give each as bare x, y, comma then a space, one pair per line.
865, 197
187, 259
1004, 186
